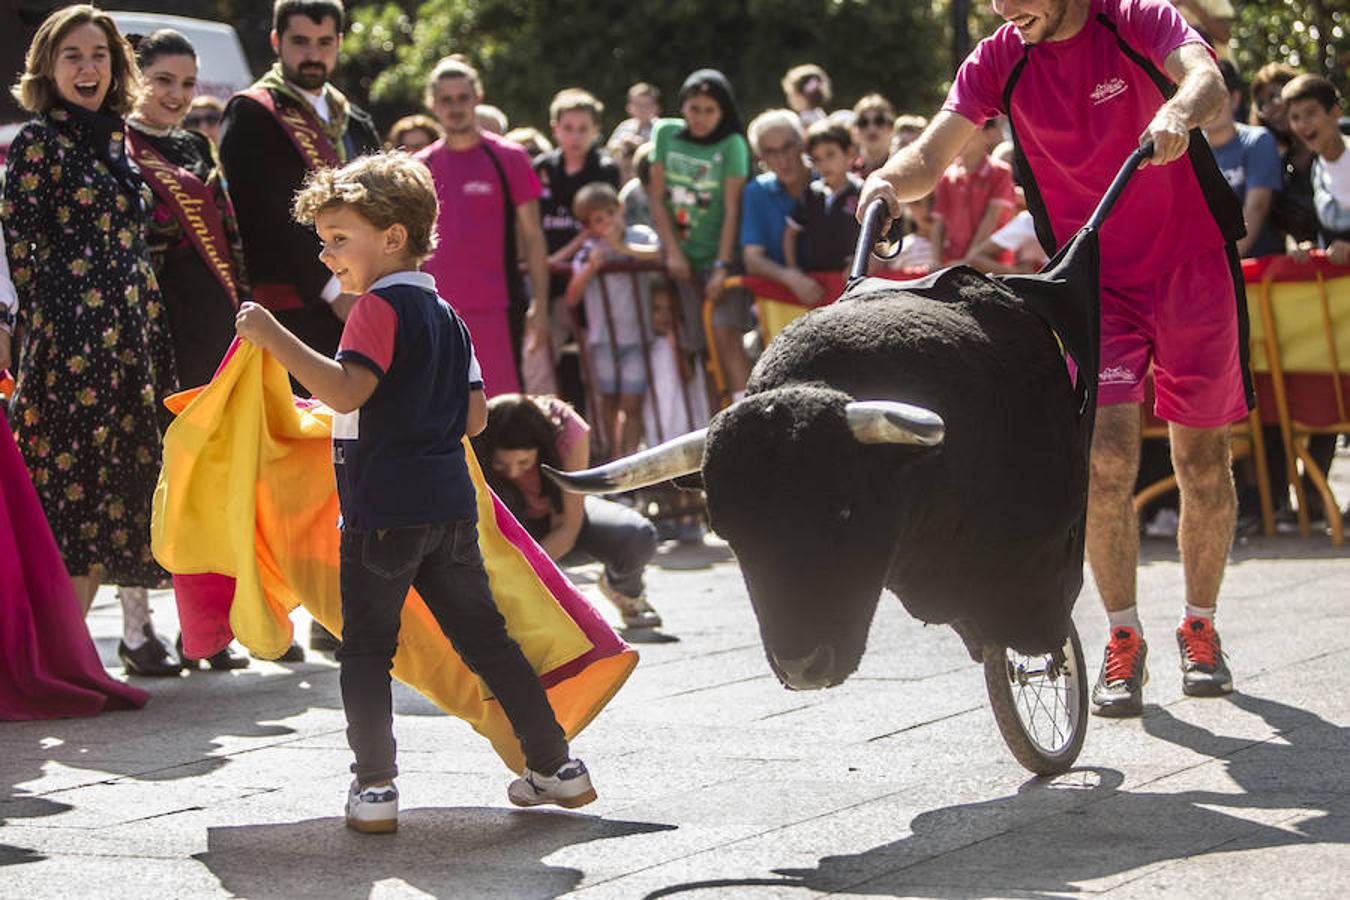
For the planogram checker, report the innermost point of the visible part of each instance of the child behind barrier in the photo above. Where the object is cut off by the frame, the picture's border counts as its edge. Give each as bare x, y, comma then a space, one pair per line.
822, 228
615, 336
1314, 111
406, 388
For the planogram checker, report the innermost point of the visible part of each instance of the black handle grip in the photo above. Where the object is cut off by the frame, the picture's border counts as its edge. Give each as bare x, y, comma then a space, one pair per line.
868, 235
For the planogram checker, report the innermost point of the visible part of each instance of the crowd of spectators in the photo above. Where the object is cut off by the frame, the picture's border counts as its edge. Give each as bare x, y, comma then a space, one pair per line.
600, 252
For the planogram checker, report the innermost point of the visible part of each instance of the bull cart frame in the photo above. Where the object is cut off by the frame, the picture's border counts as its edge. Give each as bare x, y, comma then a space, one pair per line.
1039, 701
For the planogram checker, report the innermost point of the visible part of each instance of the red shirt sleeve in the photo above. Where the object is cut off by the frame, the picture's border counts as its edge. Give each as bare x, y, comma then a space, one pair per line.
368, 336
1001, 185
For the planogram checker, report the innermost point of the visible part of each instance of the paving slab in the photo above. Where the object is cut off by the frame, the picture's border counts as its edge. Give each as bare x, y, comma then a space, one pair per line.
716, 782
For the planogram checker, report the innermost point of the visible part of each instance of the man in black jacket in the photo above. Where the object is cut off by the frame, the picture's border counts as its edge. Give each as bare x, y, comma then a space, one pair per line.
290, 122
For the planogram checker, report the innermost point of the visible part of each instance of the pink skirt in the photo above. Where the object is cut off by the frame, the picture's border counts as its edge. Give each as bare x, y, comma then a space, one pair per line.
48, 665
492, 345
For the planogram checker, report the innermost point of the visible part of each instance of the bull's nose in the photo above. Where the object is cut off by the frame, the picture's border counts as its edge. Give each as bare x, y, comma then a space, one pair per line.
807, 673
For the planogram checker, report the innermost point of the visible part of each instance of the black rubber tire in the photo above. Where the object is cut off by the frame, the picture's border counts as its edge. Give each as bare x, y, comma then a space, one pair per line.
1028, 751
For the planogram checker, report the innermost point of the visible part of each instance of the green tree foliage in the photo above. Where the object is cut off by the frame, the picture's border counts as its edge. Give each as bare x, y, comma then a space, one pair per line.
1310, 35
528, 49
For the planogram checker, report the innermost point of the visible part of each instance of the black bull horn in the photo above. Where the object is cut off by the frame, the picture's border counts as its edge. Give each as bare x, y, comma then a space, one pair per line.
871, 421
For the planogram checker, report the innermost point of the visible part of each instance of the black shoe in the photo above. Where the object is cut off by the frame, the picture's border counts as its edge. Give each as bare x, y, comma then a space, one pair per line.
294, 653
223, 661
151, 659
1119, 690
322, 639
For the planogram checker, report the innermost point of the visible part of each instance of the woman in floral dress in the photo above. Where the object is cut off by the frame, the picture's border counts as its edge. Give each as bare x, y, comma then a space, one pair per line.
95, 359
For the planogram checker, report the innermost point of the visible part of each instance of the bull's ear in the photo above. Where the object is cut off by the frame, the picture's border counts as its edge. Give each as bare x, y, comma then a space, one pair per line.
891, 422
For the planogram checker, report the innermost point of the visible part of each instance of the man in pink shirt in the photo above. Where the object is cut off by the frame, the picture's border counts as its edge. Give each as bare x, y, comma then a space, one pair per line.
488, 194
1083, 83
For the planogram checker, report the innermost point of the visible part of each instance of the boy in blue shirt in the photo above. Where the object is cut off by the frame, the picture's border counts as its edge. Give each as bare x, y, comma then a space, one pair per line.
405, 388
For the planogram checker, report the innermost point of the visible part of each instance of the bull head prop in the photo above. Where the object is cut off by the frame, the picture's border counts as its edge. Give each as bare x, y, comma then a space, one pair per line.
870, 421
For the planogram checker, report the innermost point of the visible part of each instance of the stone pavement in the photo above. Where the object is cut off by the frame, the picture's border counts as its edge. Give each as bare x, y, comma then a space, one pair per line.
716, 782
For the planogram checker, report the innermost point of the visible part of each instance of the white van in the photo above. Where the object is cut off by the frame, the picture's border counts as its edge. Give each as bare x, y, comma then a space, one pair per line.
221, 67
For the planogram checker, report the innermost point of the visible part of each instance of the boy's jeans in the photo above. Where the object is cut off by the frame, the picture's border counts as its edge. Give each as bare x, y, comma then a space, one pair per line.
443, 563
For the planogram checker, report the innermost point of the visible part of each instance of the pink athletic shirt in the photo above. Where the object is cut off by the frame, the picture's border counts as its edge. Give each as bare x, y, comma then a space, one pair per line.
468, 263
1078, 109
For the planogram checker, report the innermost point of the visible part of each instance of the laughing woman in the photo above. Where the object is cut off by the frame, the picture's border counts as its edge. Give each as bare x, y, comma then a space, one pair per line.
95, 358
193, 239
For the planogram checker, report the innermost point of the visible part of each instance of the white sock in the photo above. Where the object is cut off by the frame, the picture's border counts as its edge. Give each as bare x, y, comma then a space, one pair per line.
1128, 618
135, 615
737, 396
1201, 612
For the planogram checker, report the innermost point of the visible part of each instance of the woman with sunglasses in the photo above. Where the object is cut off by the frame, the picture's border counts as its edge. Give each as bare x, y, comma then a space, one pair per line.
873, 116
205, 114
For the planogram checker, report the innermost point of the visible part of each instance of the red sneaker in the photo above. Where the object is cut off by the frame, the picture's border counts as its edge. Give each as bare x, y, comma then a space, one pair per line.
1204, 673
1119, 690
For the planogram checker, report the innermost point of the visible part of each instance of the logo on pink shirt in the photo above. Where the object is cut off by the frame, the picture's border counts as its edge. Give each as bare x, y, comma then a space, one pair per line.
477, 188
1108, 89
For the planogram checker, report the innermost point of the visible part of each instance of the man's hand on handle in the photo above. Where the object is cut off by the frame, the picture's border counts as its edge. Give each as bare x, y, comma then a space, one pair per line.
1169, 135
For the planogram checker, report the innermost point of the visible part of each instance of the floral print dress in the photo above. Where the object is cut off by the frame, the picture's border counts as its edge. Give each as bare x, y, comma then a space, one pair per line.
95, 359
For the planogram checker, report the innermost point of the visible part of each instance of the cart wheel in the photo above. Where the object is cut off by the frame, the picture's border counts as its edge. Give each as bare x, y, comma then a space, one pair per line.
1040, 704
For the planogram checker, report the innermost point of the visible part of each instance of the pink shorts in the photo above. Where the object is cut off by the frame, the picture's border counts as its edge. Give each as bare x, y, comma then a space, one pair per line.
1186, 325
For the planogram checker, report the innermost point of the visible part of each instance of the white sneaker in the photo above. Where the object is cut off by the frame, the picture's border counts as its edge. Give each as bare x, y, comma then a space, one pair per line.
373, 809
636, 612
570, 786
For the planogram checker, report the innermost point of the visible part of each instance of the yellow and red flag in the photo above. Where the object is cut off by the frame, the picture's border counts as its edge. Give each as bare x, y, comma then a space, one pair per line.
245, 517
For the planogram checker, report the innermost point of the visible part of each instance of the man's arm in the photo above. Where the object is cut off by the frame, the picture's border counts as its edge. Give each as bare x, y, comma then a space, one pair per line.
1200, 96
914, 171
343, 386
1218, 30
531, 233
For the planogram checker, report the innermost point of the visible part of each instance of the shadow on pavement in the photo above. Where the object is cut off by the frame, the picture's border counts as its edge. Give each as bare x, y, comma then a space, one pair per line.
177, 735
1054, 835
446, 851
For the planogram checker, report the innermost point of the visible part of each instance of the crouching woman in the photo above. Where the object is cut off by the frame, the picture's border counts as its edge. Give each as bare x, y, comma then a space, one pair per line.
522, 432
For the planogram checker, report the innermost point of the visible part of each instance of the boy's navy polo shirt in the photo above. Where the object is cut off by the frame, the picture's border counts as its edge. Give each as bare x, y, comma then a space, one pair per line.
398, 459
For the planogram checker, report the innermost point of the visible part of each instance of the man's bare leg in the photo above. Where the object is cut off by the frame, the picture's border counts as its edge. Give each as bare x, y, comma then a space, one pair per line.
1113, 552
1112, 527
1202, 459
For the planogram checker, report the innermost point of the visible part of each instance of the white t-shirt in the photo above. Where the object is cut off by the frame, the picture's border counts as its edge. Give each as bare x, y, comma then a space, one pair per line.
1019, 236
624, 290
1331, 190
916, 252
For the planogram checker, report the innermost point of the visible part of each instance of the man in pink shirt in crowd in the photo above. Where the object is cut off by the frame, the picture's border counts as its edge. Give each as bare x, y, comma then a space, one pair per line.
974, 198
1084, 82
488, 194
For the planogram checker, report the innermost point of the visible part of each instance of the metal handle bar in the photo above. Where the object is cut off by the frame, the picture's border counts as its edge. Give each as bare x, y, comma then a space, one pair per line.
876, 212
868, 236
1122, 178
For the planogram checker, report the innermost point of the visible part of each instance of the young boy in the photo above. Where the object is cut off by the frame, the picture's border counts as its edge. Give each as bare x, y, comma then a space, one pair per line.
613, 309
574, 115
1314, 109
405, 388
821, 230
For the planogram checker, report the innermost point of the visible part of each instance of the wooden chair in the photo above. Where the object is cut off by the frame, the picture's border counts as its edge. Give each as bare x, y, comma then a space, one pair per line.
1302, 334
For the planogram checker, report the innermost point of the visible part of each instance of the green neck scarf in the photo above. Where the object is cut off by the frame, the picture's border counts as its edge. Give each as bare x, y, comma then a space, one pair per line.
335, 127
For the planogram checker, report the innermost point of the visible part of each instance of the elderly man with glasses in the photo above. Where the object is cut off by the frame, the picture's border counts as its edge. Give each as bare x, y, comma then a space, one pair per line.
778, 141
